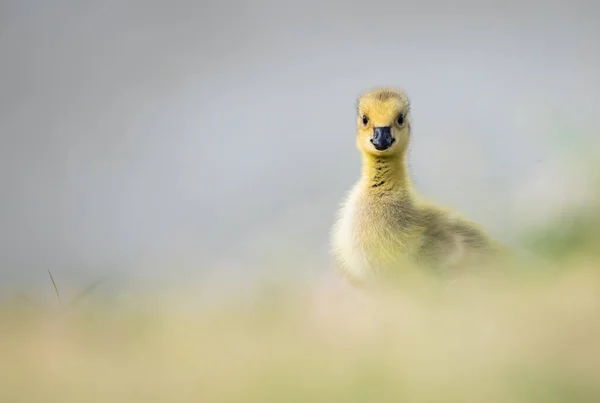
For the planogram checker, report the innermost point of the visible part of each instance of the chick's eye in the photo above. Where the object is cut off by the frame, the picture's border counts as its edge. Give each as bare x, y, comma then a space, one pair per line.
400, 119
365, 120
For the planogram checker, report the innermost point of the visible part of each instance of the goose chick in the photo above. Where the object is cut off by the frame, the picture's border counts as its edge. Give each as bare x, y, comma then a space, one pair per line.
384, 227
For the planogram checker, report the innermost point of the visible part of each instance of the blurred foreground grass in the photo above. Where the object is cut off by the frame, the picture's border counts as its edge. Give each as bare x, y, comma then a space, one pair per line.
519, 335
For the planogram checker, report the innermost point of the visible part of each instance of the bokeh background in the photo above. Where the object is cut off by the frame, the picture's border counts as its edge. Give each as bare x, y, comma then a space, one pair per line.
145, 140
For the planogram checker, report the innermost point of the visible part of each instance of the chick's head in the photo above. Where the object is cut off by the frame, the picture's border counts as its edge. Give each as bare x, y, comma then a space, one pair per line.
383, 122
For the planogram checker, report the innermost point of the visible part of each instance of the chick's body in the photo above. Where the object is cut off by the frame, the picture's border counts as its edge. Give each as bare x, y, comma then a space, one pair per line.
383, 226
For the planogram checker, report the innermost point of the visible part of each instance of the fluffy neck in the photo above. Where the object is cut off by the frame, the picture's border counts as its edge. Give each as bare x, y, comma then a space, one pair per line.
385, 174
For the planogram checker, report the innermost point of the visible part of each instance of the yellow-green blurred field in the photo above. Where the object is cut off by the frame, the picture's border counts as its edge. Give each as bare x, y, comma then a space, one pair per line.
527, 333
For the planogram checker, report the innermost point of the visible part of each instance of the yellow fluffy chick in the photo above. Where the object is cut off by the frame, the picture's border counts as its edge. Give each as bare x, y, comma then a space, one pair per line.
383, 227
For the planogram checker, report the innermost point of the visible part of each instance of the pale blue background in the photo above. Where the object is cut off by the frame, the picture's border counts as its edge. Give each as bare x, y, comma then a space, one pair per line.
142, 139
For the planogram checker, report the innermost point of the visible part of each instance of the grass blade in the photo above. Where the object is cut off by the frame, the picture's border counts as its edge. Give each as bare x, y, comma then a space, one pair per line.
55, 288
89, 289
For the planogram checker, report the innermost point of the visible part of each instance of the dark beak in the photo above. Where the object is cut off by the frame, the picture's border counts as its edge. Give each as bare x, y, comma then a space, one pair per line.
382, 138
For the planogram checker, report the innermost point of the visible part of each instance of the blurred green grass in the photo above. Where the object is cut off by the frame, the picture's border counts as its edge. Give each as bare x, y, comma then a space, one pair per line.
501, 338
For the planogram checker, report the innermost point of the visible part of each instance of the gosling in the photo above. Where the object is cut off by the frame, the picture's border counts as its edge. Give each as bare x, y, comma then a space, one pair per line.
383, 227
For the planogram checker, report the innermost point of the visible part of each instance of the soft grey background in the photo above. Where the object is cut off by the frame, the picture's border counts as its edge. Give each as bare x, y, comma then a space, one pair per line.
145, 139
